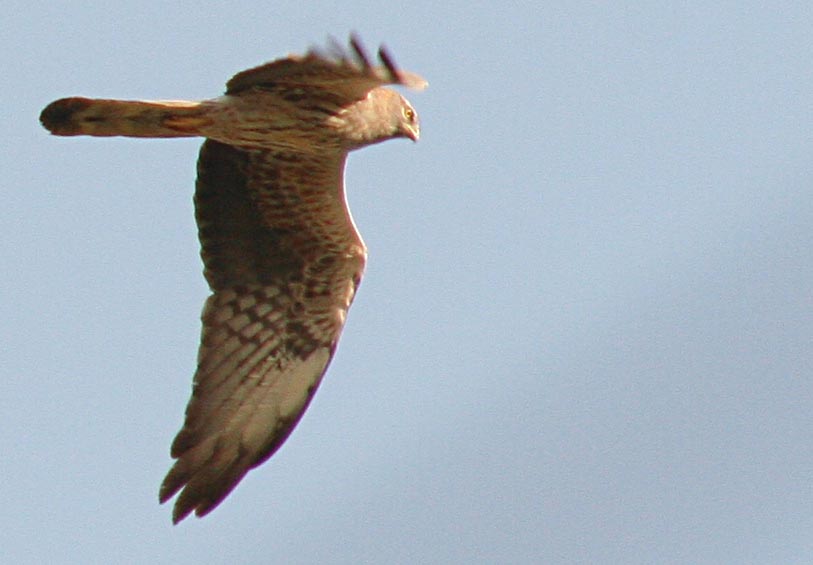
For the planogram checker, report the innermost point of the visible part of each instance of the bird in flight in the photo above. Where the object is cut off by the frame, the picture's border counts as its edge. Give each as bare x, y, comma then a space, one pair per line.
280, 251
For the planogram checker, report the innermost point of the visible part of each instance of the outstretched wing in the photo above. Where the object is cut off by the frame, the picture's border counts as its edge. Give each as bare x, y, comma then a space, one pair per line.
337, 71
283, 261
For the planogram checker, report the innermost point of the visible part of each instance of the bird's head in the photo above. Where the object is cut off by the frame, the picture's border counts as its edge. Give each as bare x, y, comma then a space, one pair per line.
383, 114
404, 118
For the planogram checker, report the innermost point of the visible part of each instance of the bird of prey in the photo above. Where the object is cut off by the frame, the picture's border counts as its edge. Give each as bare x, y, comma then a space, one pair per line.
280, 250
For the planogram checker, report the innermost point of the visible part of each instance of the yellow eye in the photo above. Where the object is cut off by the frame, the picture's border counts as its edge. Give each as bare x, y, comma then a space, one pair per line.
409, 114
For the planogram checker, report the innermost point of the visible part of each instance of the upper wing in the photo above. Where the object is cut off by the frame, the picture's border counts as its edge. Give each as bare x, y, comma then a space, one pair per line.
337, 71
283, 261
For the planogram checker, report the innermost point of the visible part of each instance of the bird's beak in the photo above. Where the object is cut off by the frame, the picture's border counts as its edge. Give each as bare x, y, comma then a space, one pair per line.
412, 132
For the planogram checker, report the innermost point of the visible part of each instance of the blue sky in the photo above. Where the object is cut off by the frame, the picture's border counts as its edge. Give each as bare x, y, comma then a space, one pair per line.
585, 333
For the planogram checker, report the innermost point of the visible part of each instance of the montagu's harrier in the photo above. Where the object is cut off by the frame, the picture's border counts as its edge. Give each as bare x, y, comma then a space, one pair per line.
280, 251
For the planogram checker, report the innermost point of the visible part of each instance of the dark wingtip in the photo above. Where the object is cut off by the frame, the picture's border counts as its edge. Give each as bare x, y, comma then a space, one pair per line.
361, 53
202, 501
182, 507
334, 49
172, 483
181, 512
389, 63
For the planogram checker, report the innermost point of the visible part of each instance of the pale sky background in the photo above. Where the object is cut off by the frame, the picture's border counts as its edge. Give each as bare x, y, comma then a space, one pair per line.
586, 328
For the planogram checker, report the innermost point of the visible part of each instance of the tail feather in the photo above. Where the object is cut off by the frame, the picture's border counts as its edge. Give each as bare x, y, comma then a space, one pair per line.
131, 118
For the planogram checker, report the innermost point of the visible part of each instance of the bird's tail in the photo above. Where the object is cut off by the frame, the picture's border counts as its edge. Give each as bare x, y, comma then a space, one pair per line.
131, 118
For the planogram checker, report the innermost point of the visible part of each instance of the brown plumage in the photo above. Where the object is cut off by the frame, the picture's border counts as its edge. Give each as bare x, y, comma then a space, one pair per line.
280, 251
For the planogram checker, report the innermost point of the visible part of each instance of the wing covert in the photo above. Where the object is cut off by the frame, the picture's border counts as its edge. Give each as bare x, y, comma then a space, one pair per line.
283, 262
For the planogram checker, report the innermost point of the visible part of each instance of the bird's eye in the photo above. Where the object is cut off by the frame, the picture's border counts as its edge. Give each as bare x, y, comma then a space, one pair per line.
409, 114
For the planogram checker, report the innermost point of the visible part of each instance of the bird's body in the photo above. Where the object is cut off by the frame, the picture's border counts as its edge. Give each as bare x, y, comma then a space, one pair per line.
280, 251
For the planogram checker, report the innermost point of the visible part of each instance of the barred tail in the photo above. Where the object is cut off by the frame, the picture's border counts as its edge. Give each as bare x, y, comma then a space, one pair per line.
131, 118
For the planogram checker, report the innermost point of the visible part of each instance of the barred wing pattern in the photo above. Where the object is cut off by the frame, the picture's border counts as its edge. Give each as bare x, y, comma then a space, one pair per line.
282, 284
280, 251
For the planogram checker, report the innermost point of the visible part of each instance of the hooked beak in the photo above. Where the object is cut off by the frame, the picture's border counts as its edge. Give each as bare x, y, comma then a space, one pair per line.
411, 131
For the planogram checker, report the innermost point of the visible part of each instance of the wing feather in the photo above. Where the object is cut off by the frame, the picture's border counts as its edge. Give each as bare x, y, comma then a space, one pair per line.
337, 71
283, 261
